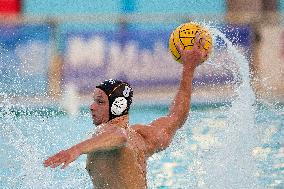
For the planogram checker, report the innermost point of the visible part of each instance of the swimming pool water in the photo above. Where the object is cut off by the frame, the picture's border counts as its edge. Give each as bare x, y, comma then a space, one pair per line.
29, 136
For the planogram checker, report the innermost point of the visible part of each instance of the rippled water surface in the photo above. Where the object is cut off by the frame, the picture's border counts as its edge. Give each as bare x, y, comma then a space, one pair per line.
200, 156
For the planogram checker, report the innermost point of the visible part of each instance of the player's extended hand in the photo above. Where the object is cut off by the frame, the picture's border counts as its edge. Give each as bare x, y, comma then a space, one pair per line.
64, 157
196, 55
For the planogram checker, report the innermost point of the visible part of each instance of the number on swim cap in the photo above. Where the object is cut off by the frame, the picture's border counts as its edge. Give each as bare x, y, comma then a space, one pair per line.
126, 91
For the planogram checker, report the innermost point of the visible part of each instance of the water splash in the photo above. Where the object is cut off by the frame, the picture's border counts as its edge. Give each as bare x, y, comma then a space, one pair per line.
230, 164
30, 173
70, 100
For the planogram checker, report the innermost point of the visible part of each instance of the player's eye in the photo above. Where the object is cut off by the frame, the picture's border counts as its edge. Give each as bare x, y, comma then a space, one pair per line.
99, 101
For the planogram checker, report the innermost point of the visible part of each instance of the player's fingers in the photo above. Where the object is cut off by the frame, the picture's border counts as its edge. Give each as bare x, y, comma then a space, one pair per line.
179, 48
203, 41
197, 39
66, 163
53, 159
58, 162
209, 48
49, 161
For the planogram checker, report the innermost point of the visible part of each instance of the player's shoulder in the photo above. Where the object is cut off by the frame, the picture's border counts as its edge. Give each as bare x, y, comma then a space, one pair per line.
155, 140
144, 130
140, 127
110, 129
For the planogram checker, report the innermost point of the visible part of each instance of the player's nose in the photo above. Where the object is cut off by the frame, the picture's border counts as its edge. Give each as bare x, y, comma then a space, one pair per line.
93, 106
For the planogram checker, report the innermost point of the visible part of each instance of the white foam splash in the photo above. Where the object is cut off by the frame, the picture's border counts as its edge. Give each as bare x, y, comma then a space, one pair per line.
31, 173
230, 164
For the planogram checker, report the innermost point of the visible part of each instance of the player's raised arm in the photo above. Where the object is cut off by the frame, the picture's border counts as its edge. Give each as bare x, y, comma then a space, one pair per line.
179, 108
161, 131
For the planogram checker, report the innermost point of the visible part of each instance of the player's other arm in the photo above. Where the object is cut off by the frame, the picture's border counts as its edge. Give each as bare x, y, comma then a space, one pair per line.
102, 142
160, 132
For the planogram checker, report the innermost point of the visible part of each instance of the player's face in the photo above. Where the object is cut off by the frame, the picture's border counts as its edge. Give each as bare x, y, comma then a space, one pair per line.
100, 107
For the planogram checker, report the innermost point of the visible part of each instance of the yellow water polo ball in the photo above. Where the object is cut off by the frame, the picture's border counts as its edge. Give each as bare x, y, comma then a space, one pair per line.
185, 36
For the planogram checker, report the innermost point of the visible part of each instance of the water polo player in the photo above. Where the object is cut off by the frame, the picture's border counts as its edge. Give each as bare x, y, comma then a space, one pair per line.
117, 153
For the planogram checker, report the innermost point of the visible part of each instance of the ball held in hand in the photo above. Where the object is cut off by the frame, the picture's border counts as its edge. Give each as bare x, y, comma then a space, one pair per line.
185, 35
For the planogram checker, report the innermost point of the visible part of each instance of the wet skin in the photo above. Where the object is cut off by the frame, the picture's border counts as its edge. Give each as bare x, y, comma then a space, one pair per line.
117, 153
124, 165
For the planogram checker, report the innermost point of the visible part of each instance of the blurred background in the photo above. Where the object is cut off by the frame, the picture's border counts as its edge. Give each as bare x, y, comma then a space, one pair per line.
58, 51
54, 52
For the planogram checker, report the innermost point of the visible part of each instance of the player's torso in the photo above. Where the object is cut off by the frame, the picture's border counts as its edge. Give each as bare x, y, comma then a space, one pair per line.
120, 168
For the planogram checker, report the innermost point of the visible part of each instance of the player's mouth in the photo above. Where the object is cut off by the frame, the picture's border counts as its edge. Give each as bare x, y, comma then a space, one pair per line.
94, 116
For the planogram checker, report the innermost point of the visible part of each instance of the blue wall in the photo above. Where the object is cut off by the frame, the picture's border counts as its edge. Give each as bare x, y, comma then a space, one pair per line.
281, 5
181, 6
61, 7
73, 7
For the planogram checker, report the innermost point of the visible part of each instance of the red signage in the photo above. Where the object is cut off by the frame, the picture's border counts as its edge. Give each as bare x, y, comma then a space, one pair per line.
10, 6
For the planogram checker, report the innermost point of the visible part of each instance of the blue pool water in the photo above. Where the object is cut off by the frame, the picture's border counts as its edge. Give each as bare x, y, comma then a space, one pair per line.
192, 160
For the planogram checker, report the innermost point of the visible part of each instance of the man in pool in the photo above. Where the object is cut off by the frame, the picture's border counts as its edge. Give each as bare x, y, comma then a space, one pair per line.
117, 152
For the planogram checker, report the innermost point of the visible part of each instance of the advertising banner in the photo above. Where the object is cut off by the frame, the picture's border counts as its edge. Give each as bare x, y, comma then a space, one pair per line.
140, 57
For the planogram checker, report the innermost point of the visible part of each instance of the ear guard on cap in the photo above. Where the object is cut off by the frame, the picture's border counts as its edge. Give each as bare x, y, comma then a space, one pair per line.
118, 106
